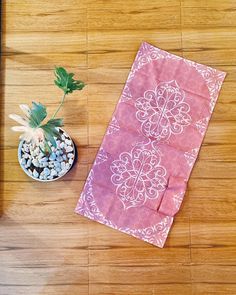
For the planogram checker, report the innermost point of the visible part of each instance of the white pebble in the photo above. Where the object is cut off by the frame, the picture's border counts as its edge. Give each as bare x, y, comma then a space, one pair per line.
62, 172
63, 165
59, 159
44, 164
53, 172
46, 171
68, 141
62, 144
71, 161
69, 149
26, 156
70, 156
30, 172
28, 164
64, 157
35, 174
51, 164
23, 161
35, 162
52, 157
58, 169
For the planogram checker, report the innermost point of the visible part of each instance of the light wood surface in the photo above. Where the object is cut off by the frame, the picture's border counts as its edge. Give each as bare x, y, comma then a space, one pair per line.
45, 248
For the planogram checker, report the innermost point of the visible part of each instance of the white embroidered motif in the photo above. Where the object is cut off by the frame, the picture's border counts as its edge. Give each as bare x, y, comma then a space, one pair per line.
178, 198
163, 111
191, 156
201, 125
155, 234
113, 126
101, 157
138, 176
126, 94
213, 79
146, 54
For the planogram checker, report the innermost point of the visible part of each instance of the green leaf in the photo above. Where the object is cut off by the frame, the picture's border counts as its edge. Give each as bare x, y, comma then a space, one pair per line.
55, 122
38, 113
66, 82
51, 130
49, 135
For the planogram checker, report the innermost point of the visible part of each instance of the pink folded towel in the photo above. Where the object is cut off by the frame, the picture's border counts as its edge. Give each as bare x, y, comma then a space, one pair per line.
139, 177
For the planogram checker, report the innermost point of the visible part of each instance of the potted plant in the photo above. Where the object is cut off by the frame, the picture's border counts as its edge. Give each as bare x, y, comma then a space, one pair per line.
46, 152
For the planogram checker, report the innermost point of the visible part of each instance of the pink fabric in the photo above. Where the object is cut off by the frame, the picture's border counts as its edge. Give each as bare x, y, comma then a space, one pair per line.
139, 177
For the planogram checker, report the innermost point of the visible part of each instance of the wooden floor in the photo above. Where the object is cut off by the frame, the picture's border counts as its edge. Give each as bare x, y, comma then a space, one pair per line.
44, 247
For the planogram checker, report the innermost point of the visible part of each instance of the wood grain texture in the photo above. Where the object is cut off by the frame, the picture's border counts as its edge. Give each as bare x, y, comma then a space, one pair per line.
45, 248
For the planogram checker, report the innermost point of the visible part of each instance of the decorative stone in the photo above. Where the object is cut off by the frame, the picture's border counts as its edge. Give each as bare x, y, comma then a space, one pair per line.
58, 169
23, 161
70, 161
44, 164
62, 144
63, 165
28, 164
68, 142
35, 174
53, 172
35, 162
52, 157
26, 156
59, 159
46, 171
70, 156
69, 149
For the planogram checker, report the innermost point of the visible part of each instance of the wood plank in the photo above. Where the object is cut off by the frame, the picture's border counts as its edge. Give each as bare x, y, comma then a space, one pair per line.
207, 45
217, 274
214, 288
25, 201
139, 275
213, 242
208, 13
45, 16
210, 199
120, 289
134, 17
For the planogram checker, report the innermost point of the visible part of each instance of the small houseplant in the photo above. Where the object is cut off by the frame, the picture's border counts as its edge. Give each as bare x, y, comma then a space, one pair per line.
46, 152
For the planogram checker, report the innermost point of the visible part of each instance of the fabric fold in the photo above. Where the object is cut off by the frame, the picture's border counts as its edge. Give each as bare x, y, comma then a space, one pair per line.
139, 177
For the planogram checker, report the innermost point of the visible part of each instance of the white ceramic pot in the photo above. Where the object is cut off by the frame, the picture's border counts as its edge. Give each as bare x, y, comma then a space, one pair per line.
48, 168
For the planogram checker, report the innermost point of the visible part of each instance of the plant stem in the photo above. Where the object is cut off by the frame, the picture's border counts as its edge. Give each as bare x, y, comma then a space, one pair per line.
60, 105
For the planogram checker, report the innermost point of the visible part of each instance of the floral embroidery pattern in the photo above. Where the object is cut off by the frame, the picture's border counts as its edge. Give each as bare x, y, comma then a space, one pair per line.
163, 111
178, 198
213, 79
146, 54
126, 94
138, 176
201, 125
155, 234
113, 126
191, 156
101, 156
